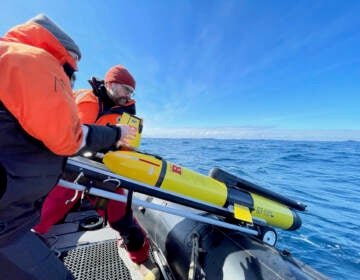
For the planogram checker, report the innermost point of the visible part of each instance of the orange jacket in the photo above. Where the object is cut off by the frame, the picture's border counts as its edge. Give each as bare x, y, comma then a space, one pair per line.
90, 111
35, 89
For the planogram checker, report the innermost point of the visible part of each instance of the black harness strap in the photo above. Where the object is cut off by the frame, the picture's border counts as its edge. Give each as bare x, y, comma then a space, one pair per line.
162, 173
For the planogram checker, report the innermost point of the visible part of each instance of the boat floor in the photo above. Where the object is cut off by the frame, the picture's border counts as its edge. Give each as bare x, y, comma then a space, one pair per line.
97, 255
90, 254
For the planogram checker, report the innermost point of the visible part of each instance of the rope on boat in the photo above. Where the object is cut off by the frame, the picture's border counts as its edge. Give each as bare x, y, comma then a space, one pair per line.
195, 271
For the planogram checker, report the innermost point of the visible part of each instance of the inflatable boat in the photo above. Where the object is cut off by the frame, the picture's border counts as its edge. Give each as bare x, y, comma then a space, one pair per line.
200, 227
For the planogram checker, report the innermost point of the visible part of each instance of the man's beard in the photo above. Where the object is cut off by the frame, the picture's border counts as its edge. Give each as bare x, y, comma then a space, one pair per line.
121, 100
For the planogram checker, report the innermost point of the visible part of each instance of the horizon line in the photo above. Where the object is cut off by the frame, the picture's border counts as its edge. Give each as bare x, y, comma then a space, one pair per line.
338, 135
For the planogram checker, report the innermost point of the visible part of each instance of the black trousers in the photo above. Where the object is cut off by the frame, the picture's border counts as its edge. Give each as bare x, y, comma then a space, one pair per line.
28, 258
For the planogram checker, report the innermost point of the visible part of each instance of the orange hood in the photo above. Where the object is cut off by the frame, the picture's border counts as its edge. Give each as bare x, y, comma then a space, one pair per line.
35, 35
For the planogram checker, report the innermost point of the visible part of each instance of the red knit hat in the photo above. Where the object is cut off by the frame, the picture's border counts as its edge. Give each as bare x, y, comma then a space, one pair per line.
118, 74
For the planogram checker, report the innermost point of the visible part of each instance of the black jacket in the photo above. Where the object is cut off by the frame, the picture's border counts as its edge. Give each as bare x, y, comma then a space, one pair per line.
28, 170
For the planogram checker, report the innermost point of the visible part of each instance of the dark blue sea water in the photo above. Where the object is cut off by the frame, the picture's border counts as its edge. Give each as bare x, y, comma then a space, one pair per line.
323, 175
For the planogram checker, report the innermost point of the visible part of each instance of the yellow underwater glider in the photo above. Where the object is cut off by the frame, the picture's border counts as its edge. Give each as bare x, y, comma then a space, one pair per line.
247, 200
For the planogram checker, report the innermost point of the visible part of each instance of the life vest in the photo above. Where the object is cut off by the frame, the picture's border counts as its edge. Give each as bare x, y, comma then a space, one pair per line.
113, 115
37, 98
95, 107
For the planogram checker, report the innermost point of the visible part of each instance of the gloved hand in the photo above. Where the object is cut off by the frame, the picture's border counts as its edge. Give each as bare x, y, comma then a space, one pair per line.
99, 138
128, 133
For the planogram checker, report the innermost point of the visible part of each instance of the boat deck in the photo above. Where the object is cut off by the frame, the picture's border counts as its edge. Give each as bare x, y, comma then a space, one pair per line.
90, 254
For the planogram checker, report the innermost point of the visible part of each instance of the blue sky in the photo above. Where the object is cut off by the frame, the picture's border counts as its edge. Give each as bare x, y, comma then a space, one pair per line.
222, 69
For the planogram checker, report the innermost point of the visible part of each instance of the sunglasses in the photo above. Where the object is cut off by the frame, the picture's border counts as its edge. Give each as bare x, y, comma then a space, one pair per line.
129, 90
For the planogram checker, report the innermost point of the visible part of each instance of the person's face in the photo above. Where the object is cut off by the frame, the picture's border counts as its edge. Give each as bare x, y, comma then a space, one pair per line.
73, 76
120, 94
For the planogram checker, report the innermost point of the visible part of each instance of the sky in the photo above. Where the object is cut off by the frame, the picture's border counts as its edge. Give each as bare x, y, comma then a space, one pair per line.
222, 69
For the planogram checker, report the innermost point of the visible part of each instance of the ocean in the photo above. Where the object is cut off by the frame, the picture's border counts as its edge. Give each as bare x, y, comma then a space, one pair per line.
323, 175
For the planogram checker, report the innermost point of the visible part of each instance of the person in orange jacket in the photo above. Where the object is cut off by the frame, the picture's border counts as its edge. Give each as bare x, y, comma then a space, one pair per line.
104, 104
39, 128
